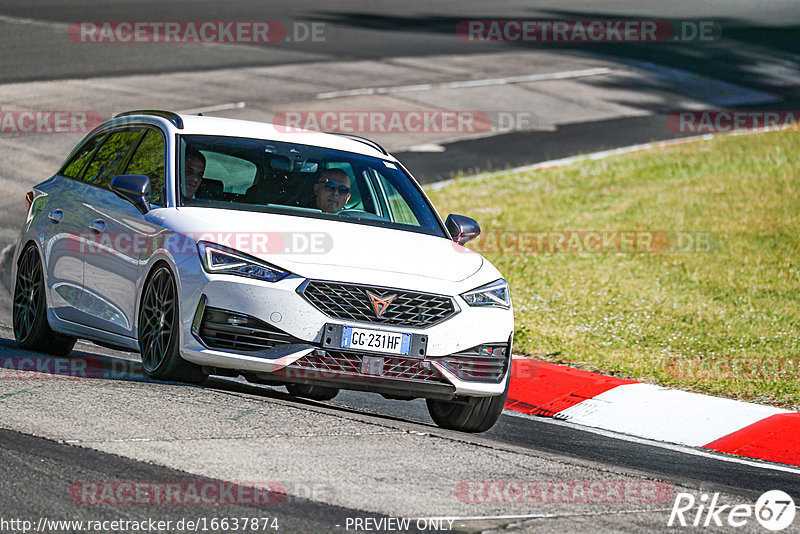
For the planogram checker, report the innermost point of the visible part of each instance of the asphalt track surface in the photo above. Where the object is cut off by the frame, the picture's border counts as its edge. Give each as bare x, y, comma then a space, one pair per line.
36, 471
38, 475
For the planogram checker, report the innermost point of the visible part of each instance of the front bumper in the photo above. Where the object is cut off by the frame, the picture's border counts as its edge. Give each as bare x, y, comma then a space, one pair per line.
284, 343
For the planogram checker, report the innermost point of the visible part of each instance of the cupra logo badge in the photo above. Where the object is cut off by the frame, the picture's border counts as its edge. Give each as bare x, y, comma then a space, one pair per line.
379, 304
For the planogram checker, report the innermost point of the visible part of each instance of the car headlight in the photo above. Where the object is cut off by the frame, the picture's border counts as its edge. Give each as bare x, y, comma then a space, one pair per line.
494, 295
223, 260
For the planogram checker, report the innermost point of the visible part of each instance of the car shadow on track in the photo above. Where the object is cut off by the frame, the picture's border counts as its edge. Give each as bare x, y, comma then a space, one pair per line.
20, 364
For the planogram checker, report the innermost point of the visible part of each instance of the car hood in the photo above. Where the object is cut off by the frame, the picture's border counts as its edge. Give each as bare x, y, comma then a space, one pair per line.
306, 246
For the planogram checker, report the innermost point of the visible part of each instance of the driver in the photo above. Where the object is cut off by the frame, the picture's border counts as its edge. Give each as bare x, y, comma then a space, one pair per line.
332, 190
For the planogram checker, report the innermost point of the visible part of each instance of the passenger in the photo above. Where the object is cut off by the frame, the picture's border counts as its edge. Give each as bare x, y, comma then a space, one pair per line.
332, 190
194, 168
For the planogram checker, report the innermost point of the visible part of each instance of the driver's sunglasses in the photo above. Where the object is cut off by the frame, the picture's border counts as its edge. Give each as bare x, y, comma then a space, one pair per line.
333, 186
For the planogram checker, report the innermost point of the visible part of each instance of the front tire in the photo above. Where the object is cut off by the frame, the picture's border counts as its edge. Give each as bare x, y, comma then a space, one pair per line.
31, 329
477, 414
159, 331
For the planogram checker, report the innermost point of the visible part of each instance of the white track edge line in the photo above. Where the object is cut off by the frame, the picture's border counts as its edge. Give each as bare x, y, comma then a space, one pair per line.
208, 109
644, 441
33, 22
563, 75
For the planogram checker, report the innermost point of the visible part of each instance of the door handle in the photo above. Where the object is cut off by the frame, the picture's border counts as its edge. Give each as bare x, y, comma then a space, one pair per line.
98, 226
56, 216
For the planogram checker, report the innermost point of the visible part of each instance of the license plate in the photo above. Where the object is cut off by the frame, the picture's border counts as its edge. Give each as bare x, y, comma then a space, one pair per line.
375, 340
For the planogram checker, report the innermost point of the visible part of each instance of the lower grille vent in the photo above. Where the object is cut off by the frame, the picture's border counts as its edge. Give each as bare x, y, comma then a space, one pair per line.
225, 330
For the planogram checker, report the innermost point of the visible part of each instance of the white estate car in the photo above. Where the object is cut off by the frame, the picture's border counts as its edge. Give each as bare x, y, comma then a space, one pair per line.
295, 258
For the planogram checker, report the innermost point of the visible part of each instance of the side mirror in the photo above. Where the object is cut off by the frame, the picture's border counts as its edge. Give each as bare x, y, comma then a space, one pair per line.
135, 188
462, 229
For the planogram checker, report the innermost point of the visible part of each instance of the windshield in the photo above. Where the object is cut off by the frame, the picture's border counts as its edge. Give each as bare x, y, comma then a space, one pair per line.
307, 181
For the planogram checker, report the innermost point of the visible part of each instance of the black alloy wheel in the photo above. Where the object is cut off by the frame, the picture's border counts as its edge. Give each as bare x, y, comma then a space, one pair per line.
31, 329
159, 324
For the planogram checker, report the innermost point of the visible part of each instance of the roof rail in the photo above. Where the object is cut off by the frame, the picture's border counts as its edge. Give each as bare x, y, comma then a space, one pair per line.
364, 140
171, 116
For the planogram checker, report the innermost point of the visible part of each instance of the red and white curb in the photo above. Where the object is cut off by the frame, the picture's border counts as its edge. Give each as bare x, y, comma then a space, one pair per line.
652, 412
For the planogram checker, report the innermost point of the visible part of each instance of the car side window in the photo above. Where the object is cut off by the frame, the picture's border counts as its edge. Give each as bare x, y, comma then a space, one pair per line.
75, 165
149, 160
110, 156
236, 174
399, 209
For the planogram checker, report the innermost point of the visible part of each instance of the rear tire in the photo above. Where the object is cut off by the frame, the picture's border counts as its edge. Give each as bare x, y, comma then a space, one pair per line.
478, 414
159, 331
318, 393
31, 329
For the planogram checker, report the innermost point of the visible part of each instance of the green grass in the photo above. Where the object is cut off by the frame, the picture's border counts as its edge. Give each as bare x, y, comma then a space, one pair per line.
724, 322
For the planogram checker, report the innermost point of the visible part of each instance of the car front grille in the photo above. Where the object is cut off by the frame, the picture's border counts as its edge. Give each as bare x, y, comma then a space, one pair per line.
352, 302
336, 364
225, 330
485, 363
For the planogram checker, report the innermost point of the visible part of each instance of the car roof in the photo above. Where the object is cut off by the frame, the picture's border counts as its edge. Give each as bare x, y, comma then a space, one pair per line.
200, 125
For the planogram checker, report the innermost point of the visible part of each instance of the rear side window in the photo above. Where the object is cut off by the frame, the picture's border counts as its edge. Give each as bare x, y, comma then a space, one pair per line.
110, 156
236, 174
74, 167
149, 160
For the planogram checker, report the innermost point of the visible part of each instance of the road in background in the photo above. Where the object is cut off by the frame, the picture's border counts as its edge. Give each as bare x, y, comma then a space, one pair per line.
37, 47
754, 47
